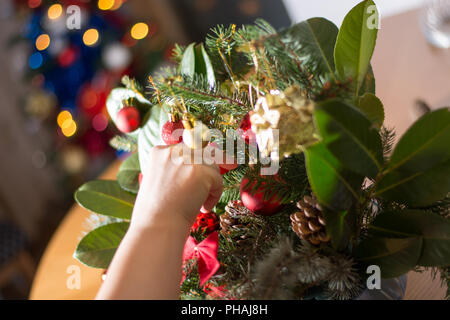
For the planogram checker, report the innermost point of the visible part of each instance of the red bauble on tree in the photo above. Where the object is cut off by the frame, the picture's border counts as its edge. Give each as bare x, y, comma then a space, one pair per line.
247, 134
168, 133
255, 202
128, 119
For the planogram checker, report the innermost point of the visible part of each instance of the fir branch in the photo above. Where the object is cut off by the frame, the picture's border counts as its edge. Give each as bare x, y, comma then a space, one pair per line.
221, 44
231, 184
213, 106
291, 183
177, 53
124, 143
387, 136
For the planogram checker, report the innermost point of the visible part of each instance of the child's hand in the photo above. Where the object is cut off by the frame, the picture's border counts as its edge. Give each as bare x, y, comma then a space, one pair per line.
173, 192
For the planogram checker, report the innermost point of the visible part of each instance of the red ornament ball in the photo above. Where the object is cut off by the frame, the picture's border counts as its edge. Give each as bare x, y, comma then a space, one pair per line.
256, 203
128, 119
223, 170
247, 134
168, 132
205, 222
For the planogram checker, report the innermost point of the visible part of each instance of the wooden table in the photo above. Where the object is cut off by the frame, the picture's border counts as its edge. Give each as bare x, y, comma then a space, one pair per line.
405, 67
50, 282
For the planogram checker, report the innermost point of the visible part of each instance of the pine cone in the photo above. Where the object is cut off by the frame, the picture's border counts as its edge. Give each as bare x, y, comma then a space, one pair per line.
231, 220
308, 223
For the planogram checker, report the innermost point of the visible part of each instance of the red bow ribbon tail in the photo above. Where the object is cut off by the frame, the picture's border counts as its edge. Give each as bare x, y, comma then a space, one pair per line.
206, 254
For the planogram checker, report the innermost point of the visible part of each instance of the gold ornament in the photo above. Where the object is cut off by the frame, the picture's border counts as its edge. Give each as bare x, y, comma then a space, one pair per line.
195, 134
283, 122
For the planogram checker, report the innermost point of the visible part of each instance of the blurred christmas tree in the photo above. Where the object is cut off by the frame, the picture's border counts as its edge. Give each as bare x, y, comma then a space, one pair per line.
78, 51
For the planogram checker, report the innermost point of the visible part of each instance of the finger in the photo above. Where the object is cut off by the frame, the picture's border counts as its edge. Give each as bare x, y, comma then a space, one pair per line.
215, 192
221, 158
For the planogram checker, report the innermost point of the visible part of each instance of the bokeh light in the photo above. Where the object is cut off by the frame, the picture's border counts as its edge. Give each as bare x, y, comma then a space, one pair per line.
105, 4
55, 11
69, 128
42, 42
35, 60
117, 4
100, 122
63, 116
90, 37
34, 3
139, 30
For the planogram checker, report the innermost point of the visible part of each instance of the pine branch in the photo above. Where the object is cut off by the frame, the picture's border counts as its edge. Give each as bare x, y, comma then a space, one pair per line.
387, 140
291, 183
221, 47
215, 107
231, 184
124, 143
177, 53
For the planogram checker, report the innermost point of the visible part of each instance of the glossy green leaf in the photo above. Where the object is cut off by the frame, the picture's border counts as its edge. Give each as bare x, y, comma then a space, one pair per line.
373, 108
340, 226
315, 40
356, 42
369, 83
128, 175
97, 248
187, 65
418, 172
196, 61
116, 101
350, 137
394, 256
106, 197
208, 67
150, 135
335, 187
434, 229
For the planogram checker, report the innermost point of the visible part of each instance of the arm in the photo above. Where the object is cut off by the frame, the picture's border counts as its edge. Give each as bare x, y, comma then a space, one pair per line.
147, 264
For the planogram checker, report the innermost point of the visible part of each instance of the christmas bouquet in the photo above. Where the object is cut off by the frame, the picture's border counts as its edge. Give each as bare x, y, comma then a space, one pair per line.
317, 197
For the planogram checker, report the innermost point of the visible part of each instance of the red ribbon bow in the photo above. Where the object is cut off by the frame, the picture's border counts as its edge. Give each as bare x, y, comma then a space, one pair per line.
206, 254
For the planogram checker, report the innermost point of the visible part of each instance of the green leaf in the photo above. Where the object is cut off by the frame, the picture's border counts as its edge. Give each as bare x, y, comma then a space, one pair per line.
335, 187
107, 198
187, 65
418, 172
196, 61
116, 101
315, 39
97, 248
356, 42
373, 108
350, 137
369, 84
209, 67
150, 135
395, 257
128, 175
434, 229
340, 227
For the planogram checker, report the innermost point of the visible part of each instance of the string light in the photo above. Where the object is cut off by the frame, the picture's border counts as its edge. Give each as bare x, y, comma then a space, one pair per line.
100, 122
35, 60
55, 11
69, 127
90, 37
42, 42
105, 4
139, 30
63, 116
34, 3
117, 4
